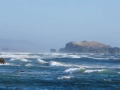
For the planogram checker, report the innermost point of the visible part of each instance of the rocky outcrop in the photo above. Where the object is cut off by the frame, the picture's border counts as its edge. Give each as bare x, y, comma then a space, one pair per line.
2, 61
89, 47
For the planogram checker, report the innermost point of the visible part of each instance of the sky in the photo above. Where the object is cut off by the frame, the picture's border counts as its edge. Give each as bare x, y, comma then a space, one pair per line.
53, 23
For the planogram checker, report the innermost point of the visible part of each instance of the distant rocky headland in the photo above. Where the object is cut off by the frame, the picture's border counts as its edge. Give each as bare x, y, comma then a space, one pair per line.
89, 47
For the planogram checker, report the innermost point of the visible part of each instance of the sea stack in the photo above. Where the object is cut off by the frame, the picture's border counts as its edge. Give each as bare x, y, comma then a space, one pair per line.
89, 47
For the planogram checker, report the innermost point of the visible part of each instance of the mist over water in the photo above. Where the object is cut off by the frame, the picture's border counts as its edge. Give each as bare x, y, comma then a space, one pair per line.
55, 71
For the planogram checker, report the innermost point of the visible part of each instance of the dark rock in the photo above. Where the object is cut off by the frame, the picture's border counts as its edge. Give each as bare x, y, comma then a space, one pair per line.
89, 47
53, 50
62, 50
21, 71
2, 61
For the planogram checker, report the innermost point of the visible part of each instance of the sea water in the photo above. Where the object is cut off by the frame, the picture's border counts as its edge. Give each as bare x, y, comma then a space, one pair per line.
55, 71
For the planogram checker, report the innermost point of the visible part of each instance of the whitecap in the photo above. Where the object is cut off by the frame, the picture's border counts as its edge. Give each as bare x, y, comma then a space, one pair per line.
29, 64
74, 70
100, 71
118, 72
74, 56
24, 60
90, 71
71, 70
18, 55
104, 71
41, 61
53, 63
96, 70
19, 59
65, 77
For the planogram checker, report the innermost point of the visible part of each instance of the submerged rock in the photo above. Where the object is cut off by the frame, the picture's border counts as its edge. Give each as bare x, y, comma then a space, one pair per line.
2, 61
89, 47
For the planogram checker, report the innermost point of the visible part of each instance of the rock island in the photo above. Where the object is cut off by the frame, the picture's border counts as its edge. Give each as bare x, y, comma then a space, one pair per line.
89, 47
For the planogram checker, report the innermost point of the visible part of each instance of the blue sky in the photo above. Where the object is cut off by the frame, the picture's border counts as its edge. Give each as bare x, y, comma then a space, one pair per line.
53, 23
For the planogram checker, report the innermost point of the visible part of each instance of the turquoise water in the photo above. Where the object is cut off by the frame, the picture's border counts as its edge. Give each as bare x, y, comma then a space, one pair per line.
46, 71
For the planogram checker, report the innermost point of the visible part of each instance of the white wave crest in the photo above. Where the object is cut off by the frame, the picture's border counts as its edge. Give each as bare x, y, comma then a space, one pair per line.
29, 64
91, 71
83, 70
101, 71
18, 55
41, 61
74, 56
53, 63
24, 60
74, 70
69, 56
65, 77
19, 59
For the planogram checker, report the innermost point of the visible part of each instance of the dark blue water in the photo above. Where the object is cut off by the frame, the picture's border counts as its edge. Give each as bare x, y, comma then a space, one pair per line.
28, 71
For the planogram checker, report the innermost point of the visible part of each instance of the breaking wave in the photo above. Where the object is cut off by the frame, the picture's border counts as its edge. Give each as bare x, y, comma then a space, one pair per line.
53, 63
41, 61
83, 70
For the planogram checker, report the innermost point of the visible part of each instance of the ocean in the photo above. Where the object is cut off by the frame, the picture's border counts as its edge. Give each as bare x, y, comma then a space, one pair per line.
59, 71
